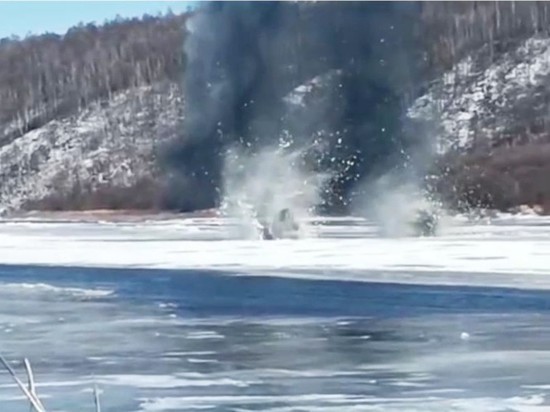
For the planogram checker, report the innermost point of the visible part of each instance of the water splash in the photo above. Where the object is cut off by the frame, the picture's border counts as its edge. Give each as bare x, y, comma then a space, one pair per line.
257, 185
398, 205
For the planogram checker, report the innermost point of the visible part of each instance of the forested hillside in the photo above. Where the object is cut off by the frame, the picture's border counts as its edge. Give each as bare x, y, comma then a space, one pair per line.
487, 104
136, 113
49, 76
82, 115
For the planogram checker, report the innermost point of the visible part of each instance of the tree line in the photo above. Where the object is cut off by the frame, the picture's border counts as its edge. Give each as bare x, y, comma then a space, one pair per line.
453, 29
45, 76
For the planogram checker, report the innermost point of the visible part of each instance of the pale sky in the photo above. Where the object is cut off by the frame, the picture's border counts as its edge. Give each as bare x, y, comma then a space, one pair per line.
21, 17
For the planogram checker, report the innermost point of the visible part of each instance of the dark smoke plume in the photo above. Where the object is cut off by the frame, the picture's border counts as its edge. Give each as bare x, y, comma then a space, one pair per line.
330, 74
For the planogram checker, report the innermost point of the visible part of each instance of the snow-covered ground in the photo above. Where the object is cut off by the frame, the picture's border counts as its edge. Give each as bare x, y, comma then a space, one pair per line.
487, 102
112, 143
507, 251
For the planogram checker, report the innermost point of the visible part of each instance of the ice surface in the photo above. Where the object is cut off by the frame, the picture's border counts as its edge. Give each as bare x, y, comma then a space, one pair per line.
165, 340
507, 251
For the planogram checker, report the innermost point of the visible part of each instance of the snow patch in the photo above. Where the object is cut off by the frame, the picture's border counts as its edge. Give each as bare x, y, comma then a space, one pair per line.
470, 104
46, 288
110, 143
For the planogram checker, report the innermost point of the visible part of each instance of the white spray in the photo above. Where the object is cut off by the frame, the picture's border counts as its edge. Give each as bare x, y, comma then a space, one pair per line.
394, 204
257, 186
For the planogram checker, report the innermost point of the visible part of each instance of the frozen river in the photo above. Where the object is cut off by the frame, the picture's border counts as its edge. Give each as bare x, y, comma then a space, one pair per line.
176, 315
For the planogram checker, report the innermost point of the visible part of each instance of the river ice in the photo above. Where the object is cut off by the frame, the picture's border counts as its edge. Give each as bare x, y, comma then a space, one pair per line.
178, 315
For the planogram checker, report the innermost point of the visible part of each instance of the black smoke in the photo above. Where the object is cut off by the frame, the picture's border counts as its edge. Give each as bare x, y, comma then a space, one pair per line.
244, 59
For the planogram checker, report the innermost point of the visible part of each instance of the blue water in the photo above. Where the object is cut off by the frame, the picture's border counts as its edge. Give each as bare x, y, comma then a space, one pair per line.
188, 340
210, 293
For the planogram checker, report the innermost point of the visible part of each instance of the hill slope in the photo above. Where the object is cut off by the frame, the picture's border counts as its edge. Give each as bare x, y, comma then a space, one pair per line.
95, 118
489, 122
83, 116
104, 156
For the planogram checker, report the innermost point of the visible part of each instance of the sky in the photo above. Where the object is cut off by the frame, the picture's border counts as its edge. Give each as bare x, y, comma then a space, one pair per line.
37, 17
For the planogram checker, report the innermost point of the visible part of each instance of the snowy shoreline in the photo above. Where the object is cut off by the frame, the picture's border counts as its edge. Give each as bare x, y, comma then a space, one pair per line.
131, 215
508, 252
